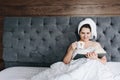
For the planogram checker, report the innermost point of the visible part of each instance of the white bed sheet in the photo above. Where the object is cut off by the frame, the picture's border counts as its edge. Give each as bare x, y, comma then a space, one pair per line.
114, 67
21, 73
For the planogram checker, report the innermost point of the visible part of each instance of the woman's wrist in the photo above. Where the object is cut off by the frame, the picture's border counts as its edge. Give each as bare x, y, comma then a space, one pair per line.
102, 60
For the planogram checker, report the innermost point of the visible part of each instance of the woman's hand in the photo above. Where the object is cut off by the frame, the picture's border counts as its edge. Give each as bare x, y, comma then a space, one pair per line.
69, 53
92, 55
74, 45
103, 59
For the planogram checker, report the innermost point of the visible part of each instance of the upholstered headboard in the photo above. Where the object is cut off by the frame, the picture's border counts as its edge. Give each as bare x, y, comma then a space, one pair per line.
41, 41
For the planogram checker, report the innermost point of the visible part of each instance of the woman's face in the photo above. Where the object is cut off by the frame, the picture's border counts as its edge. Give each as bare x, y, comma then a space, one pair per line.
85, 34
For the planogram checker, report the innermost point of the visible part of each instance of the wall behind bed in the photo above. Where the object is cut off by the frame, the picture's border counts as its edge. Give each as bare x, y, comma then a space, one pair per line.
55, 8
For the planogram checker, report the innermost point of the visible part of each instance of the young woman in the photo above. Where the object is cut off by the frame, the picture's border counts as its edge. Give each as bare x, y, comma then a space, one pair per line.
85, 34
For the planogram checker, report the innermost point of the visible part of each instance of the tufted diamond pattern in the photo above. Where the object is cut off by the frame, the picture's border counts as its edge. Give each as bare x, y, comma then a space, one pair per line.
41, 41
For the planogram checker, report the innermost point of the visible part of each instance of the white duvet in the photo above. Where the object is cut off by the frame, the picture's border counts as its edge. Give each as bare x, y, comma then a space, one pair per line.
59, 71
80, 69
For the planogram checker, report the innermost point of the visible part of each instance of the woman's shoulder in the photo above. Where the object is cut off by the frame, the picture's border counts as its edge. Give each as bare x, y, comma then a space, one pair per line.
94, 43
98, 47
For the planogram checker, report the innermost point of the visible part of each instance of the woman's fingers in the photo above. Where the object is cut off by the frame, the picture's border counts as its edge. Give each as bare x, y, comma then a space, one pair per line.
92, 55
89, 55
74, 45
104, 58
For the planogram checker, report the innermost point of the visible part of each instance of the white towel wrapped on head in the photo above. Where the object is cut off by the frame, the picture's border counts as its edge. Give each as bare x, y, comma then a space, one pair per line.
92, 25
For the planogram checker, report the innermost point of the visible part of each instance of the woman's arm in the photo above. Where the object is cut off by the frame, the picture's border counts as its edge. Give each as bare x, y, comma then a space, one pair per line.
103, 59
69, 53
94, 55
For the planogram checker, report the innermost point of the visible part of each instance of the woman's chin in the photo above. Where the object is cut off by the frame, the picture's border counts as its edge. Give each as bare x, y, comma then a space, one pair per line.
85, 40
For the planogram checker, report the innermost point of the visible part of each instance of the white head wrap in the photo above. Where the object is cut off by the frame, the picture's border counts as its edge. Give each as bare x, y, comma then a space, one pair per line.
92, 25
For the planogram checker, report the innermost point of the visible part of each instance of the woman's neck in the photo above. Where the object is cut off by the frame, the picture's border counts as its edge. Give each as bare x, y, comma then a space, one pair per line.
86, 42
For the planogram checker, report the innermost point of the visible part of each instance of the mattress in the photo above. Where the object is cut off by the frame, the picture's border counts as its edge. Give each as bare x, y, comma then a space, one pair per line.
25, 73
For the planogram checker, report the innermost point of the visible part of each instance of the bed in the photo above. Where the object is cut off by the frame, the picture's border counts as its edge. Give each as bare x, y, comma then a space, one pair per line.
32, 44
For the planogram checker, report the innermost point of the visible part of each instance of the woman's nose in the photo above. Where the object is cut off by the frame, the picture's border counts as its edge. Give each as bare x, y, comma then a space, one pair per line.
85, 35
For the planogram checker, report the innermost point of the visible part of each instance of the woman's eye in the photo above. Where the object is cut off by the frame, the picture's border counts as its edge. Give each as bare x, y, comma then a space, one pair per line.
83, 33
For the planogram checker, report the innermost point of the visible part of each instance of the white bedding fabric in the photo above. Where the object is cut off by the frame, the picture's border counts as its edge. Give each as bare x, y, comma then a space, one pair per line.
20, 73
37, 73
80, 69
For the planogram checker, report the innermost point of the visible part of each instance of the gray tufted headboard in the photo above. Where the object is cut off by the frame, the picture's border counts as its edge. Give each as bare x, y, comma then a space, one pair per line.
41, 41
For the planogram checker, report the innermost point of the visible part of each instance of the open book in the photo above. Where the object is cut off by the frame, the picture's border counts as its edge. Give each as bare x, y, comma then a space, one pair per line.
100, 55
80, 52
